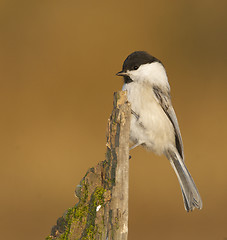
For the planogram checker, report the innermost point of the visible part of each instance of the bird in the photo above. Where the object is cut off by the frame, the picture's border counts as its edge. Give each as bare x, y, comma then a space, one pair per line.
154, 124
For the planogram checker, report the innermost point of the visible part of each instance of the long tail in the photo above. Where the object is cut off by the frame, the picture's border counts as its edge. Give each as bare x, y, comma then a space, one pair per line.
190, 193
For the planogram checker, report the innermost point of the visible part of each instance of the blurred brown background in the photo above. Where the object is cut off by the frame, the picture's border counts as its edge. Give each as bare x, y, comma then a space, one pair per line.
58, 61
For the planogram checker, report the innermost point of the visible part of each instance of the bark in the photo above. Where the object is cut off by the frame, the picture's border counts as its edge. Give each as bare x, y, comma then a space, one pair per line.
102, 210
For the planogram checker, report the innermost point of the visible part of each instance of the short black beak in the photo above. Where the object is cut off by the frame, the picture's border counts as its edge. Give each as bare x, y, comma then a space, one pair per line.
121, 73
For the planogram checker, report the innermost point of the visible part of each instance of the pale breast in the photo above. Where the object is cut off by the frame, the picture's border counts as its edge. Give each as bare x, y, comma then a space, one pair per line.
153, 127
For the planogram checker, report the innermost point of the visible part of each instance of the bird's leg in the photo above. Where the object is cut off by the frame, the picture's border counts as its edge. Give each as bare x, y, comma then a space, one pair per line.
136, 145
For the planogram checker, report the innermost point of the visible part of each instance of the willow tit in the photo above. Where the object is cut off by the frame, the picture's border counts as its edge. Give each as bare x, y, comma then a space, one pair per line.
154, 123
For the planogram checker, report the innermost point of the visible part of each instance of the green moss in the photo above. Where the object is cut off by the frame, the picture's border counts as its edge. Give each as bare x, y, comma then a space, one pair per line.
99, 196
69, 219
84, 213
48, 238
84, 192
97, 199
90, 232
77, 213
81, 213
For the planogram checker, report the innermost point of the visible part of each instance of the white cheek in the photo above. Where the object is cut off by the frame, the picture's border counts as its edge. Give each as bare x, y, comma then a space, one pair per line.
136, 76
153, 73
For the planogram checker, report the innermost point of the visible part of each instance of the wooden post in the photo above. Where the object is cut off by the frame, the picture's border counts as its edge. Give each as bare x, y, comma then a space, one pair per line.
102, 210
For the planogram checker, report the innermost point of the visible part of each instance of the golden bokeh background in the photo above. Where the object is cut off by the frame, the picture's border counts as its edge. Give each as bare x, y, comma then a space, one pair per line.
58, 61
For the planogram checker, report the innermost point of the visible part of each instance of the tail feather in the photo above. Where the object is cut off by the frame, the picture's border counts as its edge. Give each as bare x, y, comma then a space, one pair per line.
190, 193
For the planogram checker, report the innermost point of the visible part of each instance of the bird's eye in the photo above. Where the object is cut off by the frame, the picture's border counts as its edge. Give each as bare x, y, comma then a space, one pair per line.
135, 67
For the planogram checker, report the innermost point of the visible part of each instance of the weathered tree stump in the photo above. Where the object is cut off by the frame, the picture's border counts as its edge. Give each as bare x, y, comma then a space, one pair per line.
102, 210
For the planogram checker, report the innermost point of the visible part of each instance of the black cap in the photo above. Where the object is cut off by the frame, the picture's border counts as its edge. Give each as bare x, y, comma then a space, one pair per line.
133, 62
135, 59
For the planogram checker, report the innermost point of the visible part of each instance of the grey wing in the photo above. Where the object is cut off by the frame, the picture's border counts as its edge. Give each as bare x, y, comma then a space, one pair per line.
163, 97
